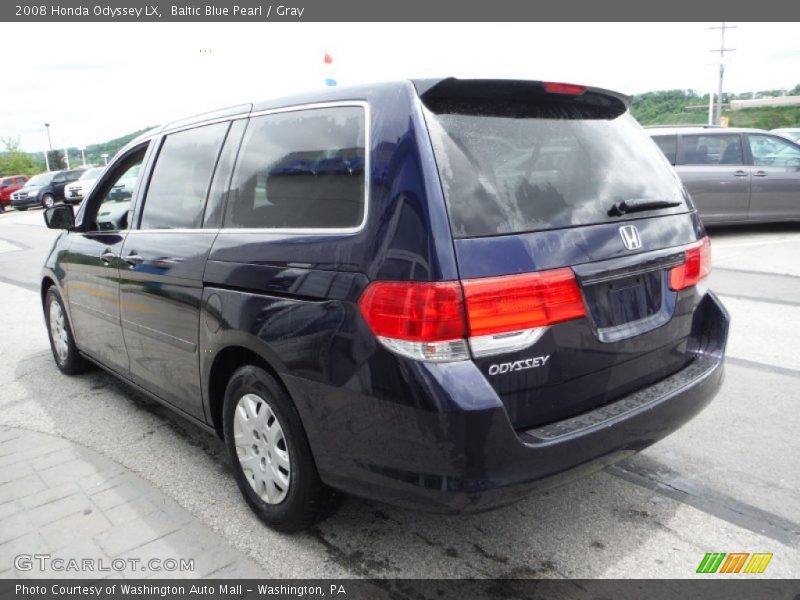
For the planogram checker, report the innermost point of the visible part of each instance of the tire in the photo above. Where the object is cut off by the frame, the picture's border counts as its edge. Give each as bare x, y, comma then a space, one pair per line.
48, 201
273, 467
22, 208
62, 342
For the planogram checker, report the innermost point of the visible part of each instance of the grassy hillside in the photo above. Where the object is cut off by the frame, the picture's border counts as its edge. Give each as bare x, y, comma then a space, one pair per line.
672, 107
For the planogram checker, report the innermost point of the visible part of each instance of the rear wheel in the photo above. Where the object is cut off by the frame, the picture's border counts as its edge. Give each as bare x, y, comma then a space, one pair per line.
48, 200
62, 342
272, 461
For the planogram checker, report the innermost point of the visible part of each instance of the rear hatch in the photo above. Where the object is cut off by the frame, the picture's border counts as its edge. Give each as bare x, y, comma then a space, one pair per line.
572, 235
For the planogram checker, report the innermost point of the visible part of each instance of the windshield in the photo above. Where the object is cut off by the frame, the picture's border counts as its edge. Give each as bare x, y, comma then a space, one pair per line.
504, 175
41, 179
92, 173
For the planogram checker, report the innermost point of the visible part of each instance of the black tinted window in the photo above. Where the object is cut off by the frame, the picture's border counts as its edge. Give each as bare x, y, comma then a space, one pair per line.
179, 184
725, 149
510, 175
300, 170
111, 204
668, 144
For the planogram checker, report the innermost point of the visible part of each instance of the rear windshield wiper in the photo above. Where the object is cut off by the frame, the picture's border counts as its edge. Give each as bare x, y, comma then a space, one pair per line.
639, 205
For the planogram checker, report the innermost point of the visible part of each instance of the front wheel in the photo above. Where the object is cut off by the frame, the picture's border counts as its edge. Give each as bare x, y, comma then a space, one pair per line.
272, 461
62, 343
48, 200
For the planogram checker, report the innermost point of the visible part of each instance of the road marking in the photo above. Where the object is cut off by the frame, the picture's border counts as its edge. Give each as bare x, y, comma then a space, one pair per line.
723, 244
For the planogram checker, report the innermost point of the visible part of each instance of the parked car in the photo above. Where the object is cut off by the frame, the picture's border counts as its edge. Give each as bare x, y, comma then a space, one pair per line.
792, 134
75, 191
8, 185
735, 175
441, 294
44, 189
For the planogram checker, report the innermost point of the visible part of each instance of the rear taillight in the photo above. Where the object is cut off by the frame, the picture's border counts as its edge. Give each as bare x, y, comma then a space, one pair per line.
569, 89
424, 321
514, 302
696, 266
431, 321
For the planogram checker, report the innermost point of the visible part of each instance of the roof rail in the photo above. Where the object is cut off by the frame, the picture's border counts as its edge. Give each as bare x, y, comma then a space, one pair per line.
698, 125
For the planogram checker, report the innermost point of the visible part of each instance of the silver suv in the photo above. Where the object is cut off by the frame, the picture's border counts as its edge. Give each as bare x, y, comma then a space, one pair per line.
735, 175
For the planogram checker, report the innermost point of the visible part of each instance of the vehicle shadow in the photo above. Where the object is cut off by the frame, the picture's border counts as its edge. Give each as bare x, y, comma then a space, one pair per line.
583, 529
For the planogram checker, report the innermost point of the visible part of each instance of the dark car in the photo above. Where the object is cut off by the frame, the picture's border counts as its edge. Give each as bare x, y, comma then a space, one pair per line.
8, 185
735, 175
44, 189
441, 294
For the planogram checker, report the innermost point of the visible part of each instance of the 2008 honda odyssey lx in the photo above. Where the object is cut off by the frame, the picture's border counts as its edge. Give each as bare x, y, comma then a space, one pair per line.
440, 294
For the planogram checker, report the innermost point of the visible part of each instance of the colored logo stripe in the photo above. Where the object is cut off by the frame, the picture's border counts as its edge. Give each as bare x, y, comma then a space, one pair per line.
758, 563
713, 562
734, 562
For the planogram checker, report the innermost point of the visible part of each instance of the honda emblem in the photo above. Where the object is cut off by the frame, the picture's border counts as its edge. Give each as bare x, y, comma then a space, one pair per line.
630, 237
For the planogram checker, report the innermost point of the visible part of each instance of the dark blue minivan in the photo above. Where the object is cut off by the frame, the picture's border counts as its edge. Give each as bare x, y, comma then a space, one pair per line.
441, 294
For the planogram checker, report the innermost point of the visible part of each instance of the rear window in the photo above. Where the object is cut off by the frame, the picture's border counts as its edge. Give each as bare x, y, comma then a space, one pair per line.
504, 174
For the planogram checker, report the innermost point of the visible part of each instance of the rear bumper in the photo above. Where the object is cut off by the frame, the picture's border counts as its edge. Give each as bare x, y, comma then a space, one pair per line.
469, 460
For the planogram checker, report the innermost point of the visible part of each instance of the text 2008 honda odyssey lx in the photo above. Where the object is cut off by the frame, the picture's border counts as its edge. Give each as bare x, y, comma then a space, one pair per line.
441, 294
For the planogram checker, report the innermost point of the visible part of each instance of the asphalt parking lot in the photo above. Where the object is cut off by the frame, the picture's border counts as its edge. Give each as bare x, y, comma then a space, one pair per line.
729, 481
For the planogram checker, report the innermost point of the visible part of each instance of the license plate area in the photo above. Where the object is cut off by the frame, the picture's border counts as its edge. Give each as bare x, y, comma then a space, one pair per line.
621, 301
629, 296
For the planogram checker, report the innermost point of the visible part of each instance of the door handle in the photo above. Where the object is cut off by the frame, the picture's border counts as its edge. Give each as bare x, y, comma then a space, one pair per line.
760, 174
107, 257
134, 259
740, 173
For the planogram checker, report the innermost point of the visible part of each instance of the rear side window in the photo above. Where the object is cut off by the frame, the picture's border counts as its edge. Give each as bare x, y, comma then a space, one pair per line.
303, 169
179, 183
723, 149
502, 173
668, 144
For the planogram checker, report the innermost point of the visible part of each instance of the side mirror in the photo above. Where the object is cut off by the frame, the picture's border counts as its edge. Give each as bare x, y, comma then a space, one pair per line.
59, 217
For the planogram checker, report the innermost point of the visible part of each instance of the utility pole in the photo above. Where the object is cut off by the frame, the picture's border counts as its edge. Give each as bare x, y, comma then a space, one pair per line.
722, 50
50, 145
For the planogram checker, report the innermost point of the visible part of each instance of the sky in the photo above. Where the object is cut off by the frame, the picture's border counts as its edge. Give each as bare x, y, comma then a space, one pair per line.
96, 81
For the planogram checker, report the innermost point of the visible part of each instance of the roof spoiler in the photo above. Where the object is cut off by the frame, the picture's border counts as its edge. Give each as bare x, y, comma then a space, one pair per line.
516, 97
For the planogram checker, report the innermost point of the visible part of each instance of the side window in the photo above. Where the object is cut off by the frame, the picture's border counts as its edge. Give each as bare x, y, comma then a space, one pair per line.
668, 144
181, 176
113, 203
770, 151
60, 178
21, 181
725, 149
303, 169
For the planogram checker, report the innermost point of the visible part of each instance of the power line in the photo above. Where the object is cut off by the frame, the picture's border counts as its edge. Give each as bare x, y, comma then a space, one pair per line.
723, 27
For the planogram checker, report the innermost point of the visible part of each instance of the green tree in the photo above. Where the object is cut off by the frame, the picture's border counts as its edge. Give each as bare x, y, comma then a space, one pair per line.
56, 159
15, 162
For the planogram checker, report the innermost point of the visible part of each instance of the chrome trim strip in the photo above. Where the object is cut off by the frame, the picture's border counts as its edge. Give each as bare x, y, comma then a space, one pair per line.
513, 341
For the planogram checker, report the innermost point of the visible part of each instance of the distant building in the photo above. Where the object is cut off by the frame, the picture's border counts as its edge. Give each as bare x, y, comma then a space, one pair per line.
761, 102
